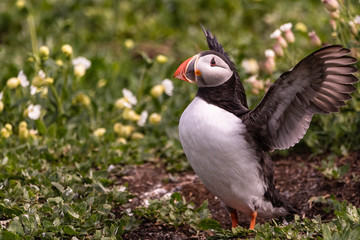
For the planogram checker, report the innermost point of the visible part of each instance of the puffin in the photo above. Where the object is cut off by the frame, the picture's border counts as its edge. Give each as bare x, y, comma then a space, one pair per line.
227, 144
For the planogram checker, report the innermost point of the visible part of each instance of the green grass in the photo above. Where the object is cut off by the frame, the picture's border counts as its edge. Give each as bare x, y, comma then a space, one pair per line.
55, 184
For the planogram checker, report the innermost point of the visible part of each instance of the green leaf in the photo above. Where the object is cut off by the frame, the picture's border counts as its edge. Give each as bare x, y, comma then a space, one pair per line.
56, 200
16, 227
40, 126
206, 224
58, 186
70, 230
6, 235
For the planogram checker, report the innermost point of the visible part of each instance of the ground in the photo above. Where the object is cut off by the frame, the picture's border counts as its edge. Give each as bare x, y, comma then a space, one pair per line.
297, 178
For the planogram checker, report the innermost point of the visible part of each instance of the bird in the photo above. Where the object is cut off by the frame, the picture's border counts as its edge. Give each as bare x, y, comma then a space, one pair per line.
227, 144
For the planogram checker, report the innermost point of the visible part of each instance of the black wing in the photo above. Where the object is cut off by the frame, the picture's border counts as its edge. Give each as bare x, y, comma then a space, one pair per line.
217, 47
320, 83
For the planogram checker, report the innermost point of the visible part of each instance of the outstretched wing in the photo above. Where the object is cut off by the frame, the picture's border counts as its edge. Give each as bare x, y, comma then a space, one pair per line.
320, 83
217, 47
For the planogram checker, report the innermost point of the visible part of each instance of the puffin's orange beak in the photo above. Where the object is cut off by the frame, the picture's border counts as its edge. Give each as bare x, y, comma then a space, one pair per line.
186, 71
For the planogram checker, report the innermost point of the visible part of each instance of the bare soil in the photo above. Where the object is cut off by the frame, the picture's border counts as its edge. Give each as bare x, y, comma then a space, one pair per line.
297, 178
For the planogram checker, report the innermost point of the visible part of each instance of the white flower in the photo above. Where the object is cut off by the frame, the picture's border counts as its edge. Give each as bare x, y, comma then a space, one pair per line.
81, 64
23, 79
168, 86
275, 34
111, 167
33, 90
129, 96
269, 53
81, 61
286, 27
357, 19
34, 111
250, 66
122, 189
41, 74
143, 117
1, 95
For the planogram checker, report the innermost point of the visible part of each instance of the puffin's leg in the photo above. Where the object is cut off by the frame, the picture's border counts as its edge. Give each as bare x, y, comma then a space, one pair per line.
253, 219
234, 219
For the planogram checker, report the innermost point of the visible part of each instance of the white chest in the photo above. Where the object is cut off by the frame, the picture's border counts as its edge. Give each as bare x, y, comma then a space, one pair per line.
214, 144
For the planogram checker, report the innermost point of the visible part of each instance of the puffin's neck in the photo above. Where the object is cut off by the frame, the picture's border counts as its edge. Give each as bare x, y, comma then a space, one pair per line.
224, 96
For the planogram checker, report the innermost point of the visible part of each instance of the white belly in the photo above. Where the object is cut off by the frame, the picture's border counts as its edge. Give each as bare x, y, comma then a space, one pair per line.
213, 142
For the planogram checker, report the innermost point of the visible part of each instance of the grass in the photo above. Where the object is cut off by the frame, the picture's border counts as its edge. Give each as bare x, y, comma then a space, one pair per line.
56, 162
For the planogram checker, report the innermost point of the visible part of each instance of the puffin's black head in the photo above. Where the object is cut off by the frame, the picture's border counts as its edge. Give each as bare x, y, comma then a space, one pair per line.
206, 69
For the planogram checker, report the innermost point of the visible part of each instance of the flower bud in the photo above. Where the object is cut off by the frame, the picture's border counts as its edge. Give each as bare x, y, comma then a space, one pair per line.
121, 103
59, 62
131, 115
48, 81
83, 99
331, 5
161, 58
44, 52
23, 131
335, 14
278, 50
333, 24
1, 106
250, 66
314, 39
155, 118
137, 136
9, 127
101, 83
129, 43
79, 70
33, 133
157, 90
67, 50
99, 132
5, 133
121, 140
20, 4
301, 27
13, 83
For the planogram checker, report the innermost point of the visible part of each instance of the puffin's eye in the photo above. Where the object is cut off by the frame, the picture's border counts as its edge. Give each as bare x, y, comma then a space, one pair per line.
213, 62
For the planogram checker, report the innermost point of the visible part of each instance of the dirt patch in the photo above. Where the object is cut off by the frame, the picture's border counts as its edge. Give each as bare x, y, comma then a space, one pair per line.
297, 178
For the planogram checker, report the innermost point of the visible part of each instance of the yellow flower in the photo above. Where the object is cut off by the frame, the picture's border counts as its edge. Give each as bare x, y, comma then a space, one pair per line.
20, 4
122, 103
13, 83
137, 135
123, 130
101, 83
83, 99
121, 140
44, 52
22, 124
157, 90
155, 118
48, 81
9, 127
59, 62
1, 106
161, 58
129, 43
23, 131
99, 132
67, 50
301, 27
131, 115
5, 133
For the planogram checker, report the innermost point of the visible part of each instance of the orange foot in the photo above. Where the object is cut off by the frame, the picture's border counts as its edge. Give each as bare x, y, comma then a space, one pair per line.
253, 220
234, 219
